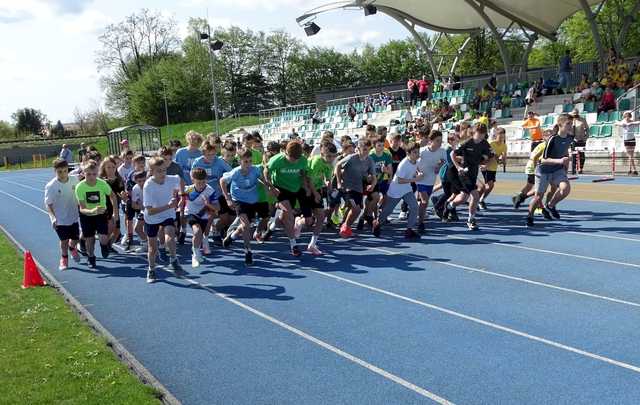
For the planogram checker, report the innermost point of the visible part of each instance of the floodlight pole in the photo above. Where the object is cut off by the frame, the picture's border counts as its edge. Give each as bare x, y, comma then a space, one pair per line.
166, 106
216, 127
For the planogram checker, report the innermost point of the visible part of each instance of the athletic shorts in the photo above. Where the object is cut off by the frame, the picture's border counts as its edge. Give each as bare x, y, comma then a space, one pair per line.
313, 204
423, 188
630, 143
355, 196
129, 211
152, 229
534, 144
381, 187
300, 197
224, 207
489, 175
335, 197
66, 232
544, 179
531, 179
196, 220
94, 223
260, 209
464, 184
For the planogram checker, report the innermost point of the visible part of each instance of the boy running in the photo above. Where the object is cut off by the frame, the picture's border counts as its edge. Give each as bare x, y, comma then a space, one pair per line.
320, 173
185, 158
198, 206
92, 194
400, 189
139, 163
62, 205
530, 170
160, 199
432, 157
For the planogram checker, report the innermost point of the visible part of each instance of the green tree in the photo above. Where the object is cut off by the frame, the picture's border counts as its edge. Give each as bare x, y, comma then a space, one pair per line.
6, 130
29, 120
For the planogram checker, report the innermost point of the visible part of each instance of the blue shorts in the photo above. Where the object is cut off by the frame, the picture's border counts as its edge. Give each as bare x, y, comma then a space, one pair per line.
423, 188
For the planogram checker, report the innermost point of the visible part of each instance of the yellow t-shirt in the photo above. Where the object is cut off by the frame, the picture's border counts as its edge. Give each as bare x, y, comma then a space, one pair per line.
484, 120
498, 148
534, 157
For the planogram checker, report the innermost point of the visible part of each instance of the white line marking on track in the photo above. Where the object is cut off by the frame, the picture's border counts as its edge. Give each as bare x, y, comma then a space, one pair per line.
24, 186
24, 202
593, 235
514, 278
477, 320
398, 380
553, 252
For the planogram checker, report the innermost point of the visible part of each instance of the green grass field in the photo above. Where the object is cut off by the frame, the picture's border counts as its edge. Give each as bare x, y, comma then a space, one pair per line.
48, 355
175, 131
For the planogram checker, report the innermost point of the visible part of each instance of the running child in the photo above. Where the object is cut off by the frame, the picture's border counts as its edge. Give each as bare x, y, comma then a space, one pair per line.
160, 197
137, 208
139, 163
197, 210
432, 157
184, 158
384, 171
530, 170
62, 205
400, 189
108, 173
499, 148
92, 194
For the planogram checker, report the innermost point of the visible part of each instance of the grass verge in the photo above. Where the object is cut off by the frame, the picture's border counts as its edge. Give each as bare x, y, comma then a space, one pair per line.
49, 355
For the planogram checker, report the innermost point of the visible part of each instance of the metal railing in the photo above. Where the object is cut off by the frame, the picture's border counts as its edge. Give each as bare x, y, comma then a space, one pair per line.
268, 113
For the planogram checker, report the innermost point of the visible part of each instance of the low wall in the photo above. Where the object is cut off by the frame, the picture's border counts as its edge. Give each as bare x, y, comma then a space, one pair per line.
17, 154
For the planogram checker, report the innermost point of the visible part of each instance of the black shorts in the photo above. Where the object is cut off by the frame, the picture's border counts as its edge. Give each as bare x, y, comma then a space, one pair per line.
534, 144
300, 197
66, 232
129, 211
489, 176
224, 207
313, 204
630, 143
152, 229
250, 210
355, 196
531, 179
195, 220
94, 223
381, 187
461, 184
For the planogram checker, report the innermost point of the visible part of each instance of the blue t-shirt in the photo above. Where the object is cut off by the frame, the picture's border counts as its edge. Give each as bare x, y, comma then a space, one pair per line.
244, 188
215, 169
443, 169
185, 158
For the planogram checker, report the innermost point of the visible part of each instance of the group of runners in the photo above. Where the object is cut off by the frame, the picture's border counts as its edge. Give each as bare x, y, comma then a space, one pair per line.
226, 191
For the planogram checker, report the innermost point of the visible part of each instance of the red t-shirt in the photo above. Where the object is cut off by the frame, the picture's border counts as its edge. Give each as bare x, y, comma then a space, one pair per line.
422, 86
609, 99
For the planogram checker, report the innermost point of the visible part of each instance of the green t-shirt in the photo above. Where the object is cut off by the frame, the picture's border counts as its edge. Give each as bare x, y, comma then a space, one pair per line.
256, 157
381, 162
93, 196
285, 174
319, 171
263, 195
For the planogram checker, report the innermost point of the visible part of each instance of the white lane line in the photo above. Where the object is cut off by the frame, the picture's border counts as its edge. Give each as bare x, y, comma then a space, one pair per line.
513, 278
593, 235
492, 325
398, 380
392, 377
24, 202
552, 252
407, 299
24, 186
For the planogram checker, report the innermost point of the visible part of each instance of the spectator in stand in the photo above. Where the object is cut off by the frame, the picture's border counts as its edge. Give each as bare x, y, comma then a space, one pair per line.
608, 101
457, 82
584, 83
351, 111
635, 76
596, 91
412, 90
580, 136
532, 124
315, 118
564, 71
423, 88
493, 83
66, 154
531, 95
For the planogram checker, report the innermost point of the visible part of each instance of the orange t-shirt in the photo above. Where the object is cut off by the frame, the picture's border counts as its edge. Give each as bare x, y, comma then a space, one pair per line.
533, 124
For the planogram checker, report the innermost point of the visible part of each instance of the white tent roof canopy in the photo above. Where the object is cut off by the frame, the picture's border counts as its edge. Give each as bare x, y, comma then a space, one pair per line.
541, 16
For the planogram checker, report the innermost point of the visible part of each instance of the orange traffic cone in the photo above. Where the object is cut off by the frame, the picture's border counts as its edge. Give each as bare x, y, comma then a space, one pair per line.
32, 277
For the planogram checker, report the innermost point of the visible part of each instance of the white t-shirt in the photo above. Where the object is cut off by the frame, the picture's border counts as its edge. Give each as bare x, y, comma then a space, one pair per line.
125, 171
316, 149
406, 170
628, 131
196, 200
136, 196
157, 195
62, 196
429, 164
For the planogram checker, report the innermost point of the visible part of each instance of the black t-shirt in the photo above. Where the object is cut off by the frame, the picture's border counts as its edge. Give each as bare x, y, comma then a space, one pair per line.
473, 154
396, 157
117, 186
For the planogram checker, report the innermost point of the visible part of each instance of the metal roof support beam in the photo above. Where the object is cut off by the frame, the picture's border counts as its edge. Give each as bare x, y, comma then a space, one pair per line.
628, 20
525, 57
497, 9
504, 53
459, 53
420, 40
591, 18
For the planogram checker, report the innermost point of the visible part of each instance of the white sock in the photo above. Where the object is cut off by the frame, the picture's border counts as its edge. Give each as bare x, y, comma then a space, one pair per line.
293, 243
314, 240
272, 225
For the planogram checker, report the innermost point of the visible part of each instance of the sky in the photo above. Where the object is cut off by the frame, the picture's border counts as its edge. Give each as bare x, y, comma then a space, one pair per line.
48, 47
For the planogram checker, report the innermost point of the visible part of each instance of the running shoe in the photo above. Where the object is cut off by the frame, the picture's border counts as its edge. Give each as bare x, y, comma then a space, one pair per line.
151, 276
411, 234
141, 249
176, 267
104, 250
181, 237
248, 258
64, 264
75, 255
313, 249
258, 237
546, 213
336, 218
482, 204
529, 221
296, 251
421, 227
92, 262
226, 242
376, 229
195, 261
129, 245
267, 235
345, 231
83, 247
472, 224
124, 241
453, 215
402, 215
554, 212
